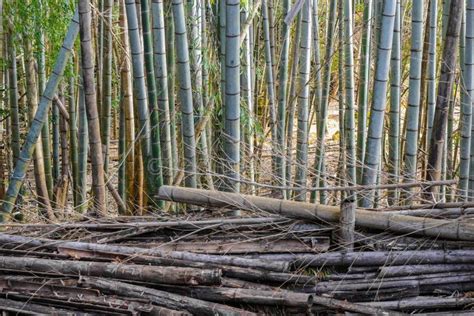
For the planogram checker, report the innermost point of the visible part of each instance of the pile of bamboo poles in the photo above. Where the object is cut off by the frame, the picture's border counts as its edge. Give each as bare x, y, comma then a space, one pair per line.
226, 266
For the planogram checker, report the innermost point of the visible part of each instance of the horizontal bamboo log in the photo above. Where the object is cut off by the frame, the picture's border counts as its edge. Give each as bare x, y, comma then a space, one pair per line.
167, 275
420, 281
375, 258
153, 223
27, 308
279, 266
393, 271
242, 246
450, 229
422, 302
162, 298
249, 296
376, 294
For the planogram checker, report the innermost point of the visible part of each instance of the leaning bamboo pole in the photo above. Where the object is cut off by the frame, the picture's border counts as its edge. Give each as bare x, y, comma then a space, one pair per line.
451, 229
40, 116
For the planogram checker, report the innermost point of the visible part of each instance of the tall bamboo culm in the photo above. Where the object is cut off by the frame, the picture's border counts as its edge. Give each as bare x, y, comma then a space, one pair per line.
375, 131
232, 97
95, 144
40, 116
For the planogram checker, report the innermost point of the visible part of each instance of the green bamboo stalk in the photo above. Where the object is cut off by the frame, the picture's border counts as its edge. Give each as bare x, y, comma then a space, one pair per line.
161, 78
55, 130
303, 103
292, 103
282, 102
126, 108
197, 64
232, 97
32, 102
185, 93
363, 96
469, 82
122, 150
247, 99
448, 66
139, 87
95, 145
154, 165
45, 132
431, 75
171, 65
467, 60
375, 131
40, 116
14, 115
82, 151
341, 164
3, 153
414, 93
323, 113
349, 95
73, 139
106, 70
270, 85
394, 126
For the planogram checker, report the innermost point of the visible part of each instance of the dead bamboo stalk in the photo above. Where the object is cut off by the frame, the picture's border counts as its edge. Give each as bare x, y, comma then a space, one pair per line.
422, 302
154, 224
376, 258
347, 222
162, 298
404, 270
279, 266
450, 229
167, 275
250, 296
22, 308
62, 108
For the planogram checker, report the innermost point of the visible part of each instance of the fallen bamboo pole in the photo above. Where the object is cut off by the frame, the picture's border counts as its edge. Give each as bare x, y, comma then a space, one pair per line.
27, 308
154, 223
162, 298
155, 274
422, 302
404, 270
375, 258
466, 204
450, 229
279, 266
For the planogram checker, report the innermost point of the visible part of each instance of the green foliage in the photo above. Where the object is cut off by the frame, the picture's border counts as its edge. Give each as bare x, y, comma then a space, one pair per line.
30, 18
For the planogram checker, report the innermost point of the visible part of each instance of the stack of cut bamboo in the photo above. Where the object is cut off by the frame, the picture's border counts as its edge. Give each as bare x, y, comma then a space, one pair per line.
225, 266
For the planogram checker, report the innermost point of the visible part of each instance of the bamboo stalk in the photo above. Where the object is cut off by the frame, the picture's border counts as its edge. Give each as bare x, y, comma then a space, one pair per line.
167, 275
36, 126
397, 223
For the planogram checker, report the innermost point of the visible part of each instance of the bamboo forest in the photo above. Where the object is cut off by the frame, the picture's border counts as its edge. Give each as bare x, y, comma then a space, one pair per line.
236, 157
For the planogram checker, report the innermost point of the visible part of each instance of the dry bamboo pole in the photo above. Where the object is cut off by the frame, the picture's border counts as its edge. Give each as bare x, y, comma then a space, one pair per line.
421, 302
249, 296
155, 274
374, 258
135, 251
162, 298
347, 222
377, 220
27, 308
404, 270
